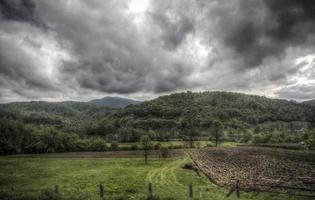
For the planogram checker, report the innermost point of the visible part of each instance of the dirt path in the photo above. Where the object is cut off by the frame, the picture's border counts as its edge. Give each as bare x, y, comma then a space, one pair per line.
165, 175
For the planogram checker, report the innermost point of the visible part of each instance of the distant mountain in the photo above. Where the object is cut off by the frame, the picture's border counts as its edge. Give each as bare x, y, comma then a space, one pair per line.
114, 102
66, 109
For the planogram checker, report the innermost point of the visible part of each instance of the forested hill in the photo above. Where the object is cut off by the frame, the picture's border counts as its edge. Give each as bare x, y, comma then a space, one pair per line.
233, 109
171, 111
114, 102
36, 127
40, 127
310, 102
68, 109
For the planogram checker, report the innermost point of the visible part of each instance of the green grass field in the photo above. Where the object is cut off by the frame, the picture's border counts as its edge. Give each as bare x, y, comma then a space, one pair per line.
31, 177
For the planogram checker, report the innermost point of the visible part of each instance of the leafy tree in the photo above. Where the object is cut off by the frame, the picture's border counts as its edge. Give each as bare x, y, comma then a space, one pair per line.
246, 136
98, 145
310, 141
259, 138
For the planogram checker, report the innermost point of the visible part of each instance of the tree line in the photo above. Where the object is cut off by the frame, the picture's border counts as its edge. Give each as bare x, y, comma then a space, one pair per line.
40, 127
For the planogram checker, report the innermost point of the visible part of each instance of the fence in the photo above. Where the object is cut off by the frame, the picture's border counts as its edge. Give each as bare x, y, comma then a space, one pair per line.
55, 193
275, 189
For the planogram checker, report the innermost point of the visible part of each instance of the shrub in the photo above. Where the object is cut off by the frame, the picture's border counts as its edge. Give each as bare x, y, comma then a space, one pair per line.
164, 152
210, 144
82, 144
38, 147
246, 136
259, 138
188, 165
114, 146
157, 146
134, 147
98, 145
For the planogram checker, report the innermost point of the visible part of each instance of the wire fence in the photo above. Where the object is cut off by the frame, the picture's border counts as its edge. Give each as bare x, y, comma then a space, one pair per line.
55, 192
275, 189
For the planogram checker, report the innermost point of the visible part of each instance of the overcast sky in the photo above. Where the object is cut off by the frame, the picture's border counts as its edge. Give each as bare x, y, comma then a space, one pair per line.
80, 50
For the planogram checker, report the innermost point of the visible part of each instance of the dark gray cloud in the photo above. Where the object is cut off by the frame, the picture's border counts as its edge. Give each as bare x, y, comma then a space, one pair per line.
23, 10
256, 30
20, 10
288, 23
175, 24
16, 64
112, 55
68, 49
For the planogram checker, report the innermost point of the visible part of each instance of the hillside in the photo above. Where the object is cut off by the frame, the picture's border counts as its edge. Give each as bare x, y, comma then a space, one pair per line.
114, 102
38, 127
224, 106
173, 113
310, 102
67, 109
69, 126
168, 112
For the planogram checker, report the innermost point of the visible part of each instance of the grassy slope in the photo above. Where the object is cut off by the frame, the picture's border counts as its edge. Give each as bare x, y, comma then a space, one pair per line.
28, 176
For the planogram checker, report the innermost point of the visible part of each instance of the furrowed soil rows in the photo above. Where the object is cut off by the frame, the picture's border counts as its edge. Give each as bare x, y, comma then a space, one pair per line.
258, 169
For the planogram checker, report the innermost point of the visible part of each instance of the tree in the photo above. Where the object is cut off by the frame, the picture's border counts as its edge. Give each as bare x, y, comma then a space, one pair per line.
190, 133
188, 125
217, 127
259, 138
246, 135
164, 152
146, 144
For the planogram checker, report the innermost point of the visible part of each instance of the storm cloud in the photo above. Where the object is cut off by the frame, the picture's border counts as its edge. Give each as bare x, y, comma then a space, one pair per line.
266, 29
78, 50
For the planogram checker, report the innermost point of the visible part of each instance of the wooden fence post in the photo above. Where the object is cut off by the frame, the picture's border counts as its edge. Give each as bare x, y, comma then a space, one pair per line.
56, 189
190, 191
150, 189
237, 187
102, 191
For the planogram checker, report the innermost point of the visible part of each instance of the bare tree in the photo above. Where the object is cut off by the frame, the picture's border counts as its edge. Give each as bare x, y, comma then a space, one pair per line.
146, 144
217, 127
